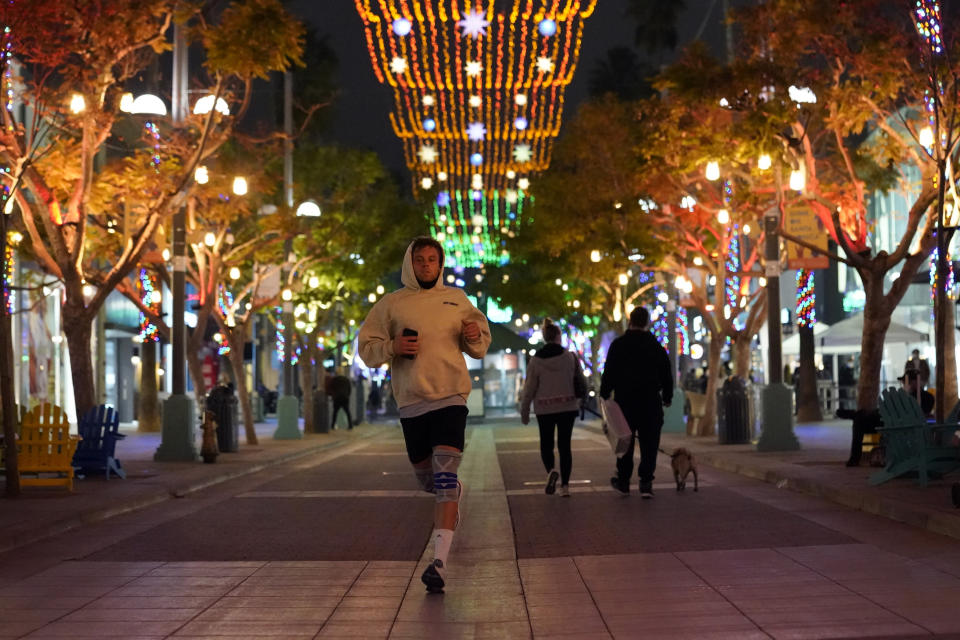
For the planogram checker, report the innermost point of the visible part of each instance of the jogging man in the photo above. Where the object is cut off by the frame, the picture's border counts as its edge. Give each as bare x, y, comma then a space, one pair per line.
423, 330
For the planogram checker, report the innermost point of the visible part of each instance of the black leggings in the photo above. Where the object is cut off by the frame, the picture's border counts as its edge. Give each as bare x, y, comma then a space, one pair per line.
563, 423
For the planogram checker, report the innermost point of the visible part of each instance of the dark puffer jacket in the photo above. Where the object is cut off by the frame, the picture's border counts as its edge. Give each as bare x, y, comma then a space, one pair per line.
638, 373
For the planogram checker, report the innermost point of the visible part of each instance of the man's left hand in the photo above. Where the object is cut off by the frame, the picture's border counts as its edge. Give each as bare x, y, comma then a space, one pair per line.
470, 330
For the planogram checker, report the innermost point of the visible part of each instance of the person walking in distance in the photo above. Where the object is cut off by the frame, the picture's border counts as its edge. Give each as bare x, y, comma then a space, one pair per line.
639, 376
423, 330
340, 392
551, 386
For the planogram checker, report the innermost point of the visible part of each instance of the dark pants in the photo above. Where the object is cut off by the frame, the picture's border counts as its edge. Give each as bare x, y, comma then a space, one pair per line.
863, 422
646, 426
563, 423
341, 403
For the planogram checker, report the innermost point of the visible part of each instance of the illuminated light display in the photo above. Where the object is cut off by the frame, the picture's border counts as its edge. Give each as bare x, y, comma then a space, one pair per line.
951, 280
154, 133
806, 299
683, 332
927, 16
148, 291
482, 79
9, 300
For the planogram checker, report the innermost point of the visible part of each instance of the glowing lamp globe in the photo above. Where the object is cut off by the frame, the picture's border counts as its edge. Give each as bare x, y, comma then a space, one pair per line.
764, 162
240, 186
429, 124
207, 103
926, 137
547, 27
234, 273
521, 123
713, 170
476, 159
309, 209
148, 105
723, 216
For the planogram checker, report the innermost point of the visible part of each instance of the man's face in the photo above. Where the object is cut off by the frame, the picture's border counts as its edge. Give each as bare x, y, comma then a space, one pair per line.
426, 264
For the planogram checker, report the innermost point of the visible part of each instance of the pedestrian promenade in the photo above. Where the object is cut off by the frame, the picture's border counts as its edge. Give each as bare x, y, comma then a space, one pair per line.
818, 584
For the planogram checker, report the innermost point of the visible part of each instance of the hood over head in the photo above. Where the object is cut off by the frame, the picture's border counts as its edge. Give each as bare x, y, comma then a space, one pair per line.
407, 275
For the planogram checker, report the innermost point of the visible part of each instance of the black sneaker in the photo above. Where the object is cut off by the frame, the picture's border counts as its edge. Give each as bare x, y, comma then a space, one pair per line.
618, 487
433, 577
646, 490
552, 482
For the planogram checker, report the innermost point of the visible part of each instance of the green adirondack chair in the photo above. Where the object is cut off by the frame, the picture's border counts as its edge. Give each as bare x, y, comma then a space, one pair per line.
912, 444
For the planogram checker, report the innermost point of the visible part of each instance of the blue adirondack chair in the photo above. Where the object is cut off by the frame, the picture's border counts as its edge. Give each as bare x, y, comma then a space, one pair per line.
99, 429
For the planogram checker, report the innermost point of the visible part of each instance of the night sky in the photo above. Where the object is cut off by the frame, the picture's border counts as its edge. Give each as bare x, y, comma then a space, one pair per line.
360, 113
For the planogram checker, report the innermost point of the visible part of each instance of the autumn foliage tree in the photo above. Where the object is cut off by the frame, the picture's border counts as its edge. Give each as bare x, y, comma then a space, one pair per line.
69, 182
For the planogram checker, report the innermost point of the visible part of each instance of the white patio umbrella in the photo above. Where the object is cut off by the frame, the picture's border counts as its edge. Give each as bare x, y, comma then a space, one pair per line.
849, 332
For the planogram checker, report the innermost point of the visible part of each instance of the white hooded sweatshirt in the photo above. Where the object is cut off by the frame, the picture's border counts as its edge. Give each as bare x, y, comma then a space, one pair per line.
439, 370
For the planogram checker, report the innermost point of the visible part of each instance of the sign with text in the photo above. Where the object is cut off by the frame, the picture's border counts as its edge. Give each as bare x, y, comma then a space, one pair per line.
802, 222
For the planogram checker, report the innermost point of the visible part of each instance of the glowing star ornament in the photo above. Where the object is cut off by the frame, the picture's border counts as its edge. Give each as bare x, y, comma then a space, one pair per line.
521, 123
522, 153
428, 100
402, 27
523, 183
474, 24
428, 154
545, 64
426, 183
398, 65
476, 102
520, 99
473, 69
443, 199
547, 27
476, 131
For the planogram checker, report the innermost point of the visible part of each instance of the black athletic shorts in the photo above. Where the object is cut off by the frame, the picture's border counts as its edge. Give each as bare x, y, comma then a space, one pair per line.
441, 427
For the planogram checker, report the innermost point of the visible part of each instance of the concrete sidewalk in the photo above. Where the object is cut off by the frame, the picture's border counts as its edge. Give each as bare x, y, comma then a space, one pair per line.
41, 512
816, 469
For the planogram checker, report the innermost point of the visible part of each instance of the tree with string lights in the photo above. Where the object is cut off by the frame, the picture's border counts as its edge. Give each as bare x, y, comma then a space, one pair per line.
68, 192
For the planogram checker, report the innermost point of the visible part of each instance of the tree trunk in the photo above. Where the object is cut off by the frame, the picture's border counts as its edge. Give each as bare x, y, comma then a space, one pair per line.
148, 413
8, 408
949, 394
195, 369
707, 426
876, 321
808, 400
236, 360
741, 355
78, 328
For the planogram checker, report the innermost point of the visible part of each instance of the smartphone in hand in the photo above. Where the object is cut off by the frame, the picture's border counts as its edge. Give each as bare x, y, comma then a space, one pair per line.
410, 332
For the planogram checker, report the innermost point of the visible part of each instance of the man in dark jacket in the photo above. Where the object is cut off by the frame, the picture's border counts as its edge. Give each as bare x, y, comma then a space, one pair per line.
639, 375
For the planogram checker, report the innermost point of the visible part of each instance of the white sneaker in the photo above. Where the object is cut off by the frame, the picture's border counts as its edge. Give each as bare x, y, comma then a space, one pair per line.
552, 478
564, 491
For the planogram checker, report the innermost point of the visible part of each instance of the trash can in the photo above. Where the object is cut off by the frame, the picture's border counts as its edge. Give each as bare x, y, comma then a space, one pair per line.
733, 412
321, 414
223, 403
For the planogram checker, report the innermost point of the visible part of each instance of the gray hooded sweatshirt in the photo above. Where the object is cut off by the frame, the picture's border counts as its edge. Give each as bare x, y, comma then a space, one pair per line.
439, 370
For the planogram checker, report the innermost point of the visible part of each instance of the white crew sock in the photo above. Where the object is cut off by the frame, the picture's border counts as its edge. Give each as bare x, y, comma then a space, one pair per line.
442, 539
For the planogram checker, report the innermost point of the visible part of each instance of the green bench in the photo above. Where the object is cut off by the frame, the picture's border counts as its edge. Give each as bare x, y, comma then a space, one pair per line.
912, 444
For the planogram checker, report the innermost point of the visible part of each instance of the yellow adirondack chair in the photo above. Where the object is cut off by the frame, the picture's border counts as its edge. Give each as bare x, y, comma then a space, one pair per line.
46, 447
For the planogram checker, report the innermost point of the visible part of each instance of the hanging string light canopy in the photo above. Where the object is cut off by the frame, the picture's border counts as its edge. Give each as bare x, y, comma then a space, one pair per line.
478, 99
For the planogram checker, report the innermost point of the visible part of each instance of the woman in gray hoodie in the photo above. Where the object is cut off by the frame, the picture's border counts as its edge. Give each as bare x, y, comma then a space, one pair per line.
550, 387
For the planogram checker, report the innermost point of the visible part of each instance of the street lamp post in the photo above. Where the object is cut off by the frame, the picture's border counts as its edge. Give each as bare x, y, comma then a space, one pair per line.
178, 440
776, 399
288, 408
